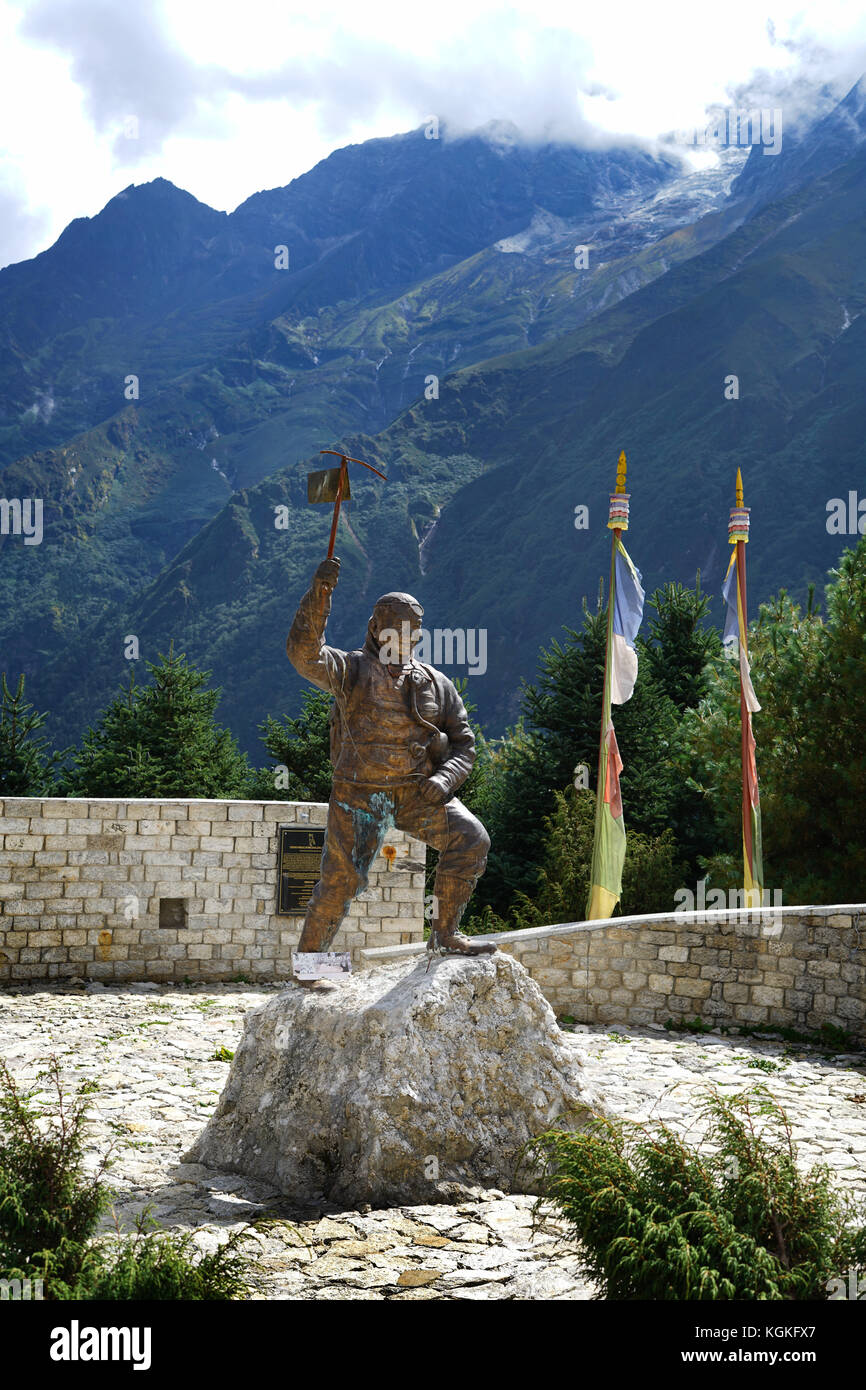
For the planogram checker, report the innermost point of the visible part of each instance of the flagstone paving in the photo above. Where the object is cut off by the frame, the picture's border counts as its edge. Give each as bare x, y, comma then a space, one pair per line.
155, 1058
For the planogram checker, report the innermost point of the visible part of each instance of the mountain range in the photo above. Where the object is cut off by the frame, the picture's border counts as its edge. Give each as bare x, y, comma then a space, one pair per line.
487, 321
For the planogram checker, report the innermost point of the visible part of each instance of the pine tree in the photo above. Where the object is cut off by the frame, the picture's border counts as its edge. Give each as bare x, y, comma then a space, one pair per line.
830, 776
470, 791
680, 644
26, 769
300, 748
160, 740
677, 655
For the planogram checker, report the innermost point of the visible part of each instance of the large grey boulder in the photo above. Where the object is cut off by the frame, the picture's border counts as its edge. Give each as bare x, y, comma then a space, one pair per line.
397, 1085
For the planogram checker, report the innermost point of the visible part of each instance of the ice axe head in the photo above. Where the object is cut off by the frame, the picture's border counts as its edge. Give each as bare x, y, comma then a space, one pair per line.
324, 486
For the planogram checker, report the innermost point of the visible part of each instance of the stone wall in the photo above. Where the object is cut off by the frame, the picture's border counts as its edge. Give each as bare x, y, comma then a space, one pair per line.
174, 890
796, 967
82, 883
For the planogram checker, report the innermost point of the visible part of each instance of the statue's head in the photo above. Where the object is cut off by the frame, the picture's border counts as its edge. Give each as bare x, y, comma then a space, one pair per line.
395, 627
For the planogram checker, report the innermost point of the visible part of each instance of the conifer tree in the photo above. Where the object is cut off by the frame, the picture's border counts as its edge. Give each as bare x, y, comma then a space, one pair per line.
651, 873
300, 749
160, 739
677, 654
559, 730
26, 768
680, 643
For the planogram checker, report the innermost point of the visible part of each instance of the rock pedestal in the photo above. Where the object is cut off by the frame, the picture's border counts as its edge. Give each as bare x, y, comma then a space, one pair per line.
397, 1085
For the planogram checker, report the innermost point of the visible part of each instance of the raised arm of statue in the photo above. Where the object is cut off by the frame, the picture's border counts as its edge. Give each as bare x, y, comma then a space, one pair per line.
305, 645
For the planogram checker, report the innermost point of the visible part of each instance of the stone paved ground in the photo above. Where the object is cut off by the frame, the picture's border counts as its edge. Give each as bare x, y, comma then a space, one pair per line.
153, 1052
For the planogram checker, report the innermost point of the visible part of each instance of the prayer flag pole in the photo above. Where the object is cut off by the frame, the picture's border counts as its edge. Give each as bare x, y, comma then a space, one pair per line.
737, 632
624, 613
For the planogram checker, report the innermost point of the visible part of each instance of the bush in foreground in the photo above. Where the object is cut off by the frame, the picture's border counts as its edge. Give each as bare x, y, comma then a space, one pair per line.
659, 1220
50, 1208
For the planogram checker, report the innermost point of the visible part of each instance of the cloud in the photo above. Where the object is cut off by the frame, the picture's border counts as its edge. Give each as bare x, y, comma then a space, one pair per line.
42, 408
819, 76
132, 77
21, 228
141, 87
534, 78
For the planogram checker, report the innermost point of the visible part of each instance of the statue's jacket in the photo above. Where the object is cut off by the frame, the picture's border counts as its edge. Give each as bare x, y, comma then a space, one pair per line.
387, 730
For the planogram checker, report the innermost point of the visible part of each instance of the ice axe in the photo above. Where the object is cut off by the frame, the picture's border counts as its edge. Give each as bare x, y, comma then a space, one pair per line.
332, 485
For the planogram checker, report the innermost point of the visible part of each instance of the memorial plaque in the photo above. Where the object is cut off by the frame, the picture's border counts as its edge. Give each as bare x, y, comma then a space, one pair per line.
299, 863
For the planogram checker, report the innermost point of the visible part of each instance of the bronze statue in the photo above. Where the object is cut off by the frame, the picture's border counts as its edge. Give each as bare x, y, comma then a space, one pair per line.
401, 744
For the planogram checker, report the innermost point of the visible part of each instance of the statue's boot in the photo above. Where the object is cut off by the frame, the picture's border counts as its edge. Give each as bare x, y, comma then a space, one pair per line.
451, 896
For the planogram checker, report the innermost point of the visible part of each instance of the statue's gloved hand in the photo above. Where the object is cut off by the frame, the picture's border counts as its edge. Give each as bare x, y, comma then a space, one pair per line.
328, 573
431, 790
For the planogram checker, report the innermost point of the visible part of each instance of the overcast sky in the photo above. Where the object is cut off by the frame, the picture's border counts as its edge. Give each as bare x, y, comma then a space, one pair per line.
226, 99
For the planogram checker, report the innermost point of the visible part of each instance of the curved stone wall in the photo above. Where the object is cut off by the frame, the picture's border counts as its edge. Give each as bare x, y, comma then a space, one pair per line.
797, 967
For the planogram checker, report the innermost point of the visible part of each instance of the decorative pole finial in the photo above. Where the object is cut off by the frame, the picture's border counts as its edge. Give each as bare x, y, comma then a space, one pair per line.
738, 525
618, 514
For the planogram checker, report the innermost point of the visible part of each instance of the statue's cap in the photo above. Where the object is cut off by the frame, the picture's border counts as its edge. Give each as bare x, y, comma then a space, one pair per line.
397, 603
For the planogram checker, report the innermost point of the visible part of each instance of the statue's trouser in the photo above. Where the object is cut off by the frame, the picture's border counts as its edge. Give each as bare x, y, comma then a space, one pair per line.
358, 820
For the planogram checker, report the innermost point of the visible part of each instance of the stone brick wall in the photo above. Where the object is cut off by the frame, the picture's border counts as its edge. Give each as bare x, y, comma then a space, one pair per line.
799, 967
81, 883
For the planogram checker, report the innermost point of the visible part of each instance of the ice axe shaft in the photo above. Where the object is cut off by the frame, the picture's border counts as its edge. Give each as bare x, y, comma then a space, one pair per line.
337, 502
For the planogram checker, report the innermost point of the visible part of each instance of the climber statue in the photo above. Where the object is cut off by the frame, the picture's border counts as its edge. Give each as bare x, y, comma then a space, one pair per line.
401, 745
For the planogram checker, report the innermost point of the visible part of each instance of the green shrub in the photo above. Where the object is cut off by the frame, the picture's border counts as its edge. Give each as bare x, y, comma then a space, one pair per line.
46, 1203
160, 1266
50, 1209
659, 1220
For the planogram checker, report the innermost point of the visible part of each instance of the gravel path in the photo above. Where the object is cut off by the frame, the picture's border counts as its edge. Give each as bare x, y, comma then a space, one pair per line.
155, 1055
